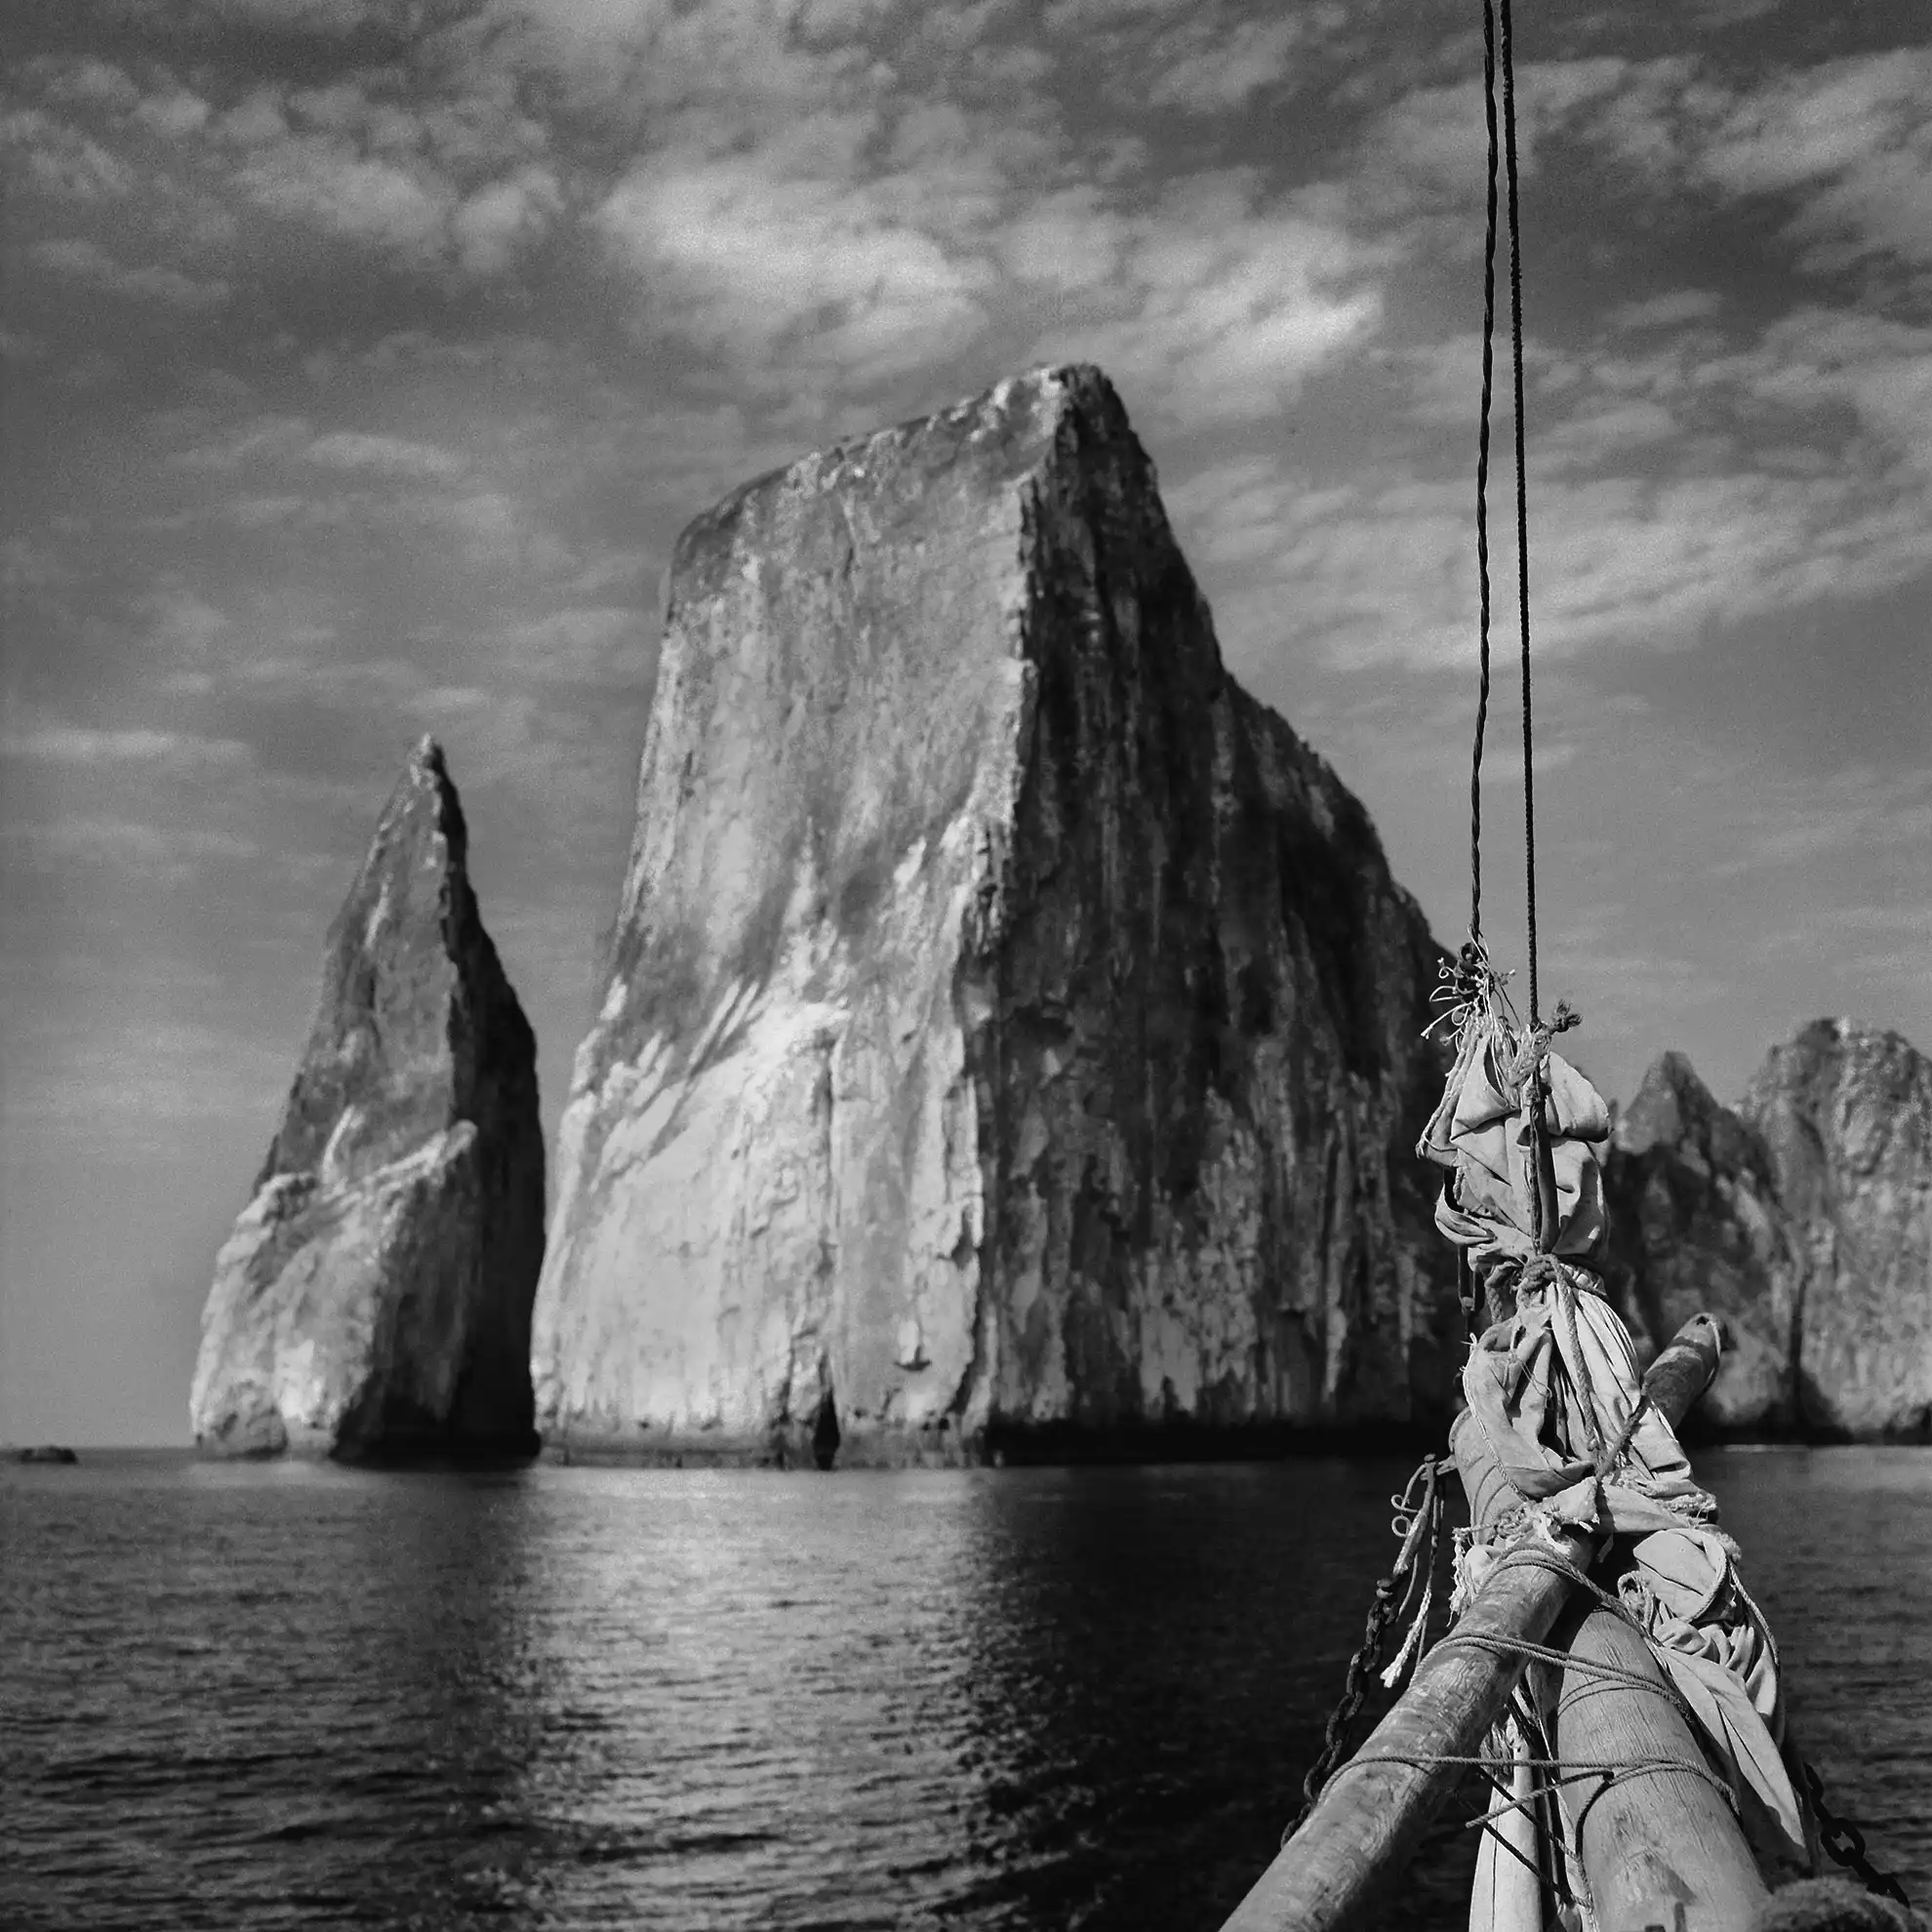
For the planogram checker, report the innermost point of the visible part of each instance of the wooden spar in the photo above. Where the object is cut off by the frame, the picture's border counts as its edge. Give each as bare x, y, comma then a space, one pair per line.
1665, 1839
1371, 1816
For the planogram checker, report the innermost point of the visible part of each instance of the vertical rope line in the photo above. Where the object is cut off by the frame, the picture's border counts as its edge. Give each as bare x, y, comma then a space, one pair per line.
1482, 472
1522, 489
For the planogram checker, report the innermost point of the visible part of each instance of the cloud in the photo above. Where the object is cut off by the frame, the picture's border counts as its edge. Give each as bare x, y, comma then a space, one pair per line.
1680, 481
1853, 140
1211, 65
360, 197
1875, 814
89, 264
260, 438
1210, 58
172, 853
594, 643
87, 747
324, 19
64, 162
393, 457
743, 257
1847, 143
173, 111
497, 222
133, 1067
1222, 304
1670, 310
431, 163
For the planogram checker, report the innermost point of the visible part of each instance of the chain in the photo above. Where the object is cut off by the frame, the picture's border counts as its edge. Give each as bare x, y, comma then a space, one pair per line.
1846, 1844
1363, 1667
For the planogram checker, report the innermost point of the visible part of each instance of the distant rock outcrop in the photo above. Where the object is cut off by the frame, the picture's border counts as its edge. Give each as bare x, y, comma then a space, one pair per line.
1011, 1034
1696, 1225
1847, 1116
1804, 1219
374, 1299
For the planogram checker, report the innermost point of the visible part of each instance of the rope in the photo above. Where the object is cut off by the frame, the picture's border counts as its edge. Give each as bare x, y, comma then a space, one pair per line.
1490, 63
1613, 1771
1544, 1653
1482, 476
1523, 482
1383, 1612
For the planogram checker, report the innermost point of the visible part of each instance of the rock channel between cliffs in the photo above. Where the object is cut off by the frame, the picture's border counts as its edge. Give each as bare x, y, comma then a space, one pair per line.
1011, 1033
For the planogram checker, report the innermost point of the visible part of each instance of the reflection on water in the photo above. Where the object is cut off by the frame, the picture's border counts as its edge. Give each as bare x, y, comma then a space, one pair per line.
278, 1697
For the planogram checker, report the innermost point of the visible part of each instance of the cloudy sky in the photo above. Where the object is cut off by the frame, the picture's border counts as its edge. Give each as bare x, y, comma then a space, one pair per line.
363, 358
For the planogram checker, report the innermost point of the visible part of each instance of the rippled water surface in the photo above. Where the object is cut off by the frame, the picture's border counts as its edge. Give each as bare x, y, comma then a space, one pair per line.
280, 1697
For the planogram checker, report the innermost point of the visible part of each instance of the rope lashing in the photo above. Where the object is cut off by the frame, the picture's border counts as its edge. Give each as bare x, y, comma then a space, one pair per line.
1612, 1771
1544, 1653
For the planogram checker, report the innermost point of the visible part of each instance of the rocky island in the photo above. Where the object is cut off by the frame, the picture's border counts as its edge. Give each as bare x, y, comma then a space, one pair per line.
1011, 1032
1804, 1219
374, 1299
1010, 1045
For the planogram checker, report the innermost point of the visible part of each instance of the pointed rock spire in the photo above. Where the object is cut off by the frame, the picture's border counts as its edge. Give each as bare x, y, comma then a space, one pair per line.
375, 1295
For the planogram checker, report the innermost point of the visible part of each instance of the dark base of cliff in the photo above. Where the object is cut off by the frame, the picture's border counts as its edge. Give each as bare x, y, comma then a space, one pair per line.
428, 1450
1186, 1442
1003, 1445
1698, 1434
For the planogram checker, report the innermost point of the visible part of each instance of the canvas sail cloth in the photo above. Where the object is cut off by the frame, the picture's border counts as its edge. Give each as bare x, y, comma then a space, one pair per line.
1553, 1387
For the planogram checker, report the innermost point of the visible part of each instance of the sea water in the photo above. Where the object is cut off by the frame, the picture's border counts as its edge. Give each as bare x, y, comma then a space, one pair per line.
266, 1696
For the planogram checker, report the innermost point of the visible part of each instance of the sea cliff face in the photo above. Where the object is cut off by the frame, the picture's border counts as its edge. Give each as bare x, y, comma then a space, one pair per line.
1010, 1030
1846, 1114
1804, 1218
374, 1299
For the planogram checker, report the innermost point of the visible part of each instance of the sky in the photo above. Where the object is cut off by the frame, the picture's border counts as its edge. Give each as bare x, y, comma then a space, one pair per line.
363, 358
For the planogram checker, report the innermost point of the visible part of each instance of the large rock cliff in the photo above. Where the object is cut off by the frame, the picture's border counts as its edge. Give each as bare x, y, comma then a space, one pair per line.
1847, 1116
374, 1297
1804, 1219
1011, 1034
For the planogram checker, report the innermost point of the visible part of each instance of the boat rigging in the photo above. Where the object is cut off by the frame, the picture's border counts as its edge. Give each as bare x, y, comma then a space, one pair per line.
1605, 1672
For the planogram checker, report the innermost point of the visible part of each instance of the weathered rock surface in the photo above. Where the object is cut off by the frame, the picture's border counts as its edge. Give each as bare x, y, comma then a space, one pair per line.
1011, 1034
374, 1297
1696, 1225
1804, 1218
1847, 1116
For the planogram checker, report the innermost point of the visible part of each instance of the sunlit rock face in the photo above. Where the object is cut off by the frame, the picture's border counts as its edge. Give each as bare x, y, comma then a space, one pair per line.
1010, 1039
374, 1299
1846, 1114
1804, 1219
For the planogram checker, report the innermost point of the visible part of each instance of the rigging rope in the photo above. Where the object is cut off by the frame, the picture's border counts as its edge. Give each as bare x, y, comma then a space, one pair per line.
1472, 988
1522, 487
1482, 476
1491, 10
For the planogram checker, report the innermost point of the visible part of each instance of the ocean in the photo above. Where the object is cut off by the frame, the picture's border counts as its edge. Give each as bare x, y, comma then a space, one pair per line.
268, 1696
